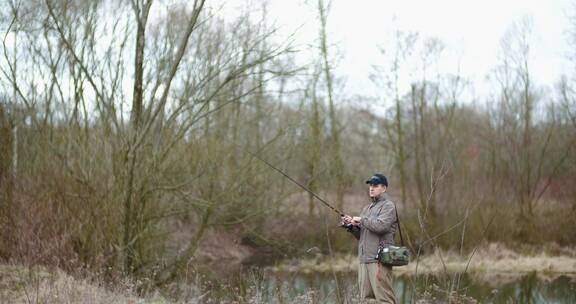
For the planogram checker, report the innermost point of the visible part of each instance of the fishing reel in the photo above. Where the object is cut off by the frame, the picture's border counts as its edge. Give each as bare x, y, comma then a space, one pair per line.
347, 226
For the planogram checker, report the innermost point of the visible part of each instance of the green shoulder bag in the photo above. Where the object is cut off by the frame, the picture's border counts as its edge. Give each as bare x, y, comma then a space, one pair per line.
391, 255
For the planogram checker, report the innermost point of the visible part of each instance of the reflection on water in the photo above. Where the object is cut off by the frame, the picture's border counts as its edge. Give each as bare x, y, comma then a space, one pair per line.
263, 287
526, 289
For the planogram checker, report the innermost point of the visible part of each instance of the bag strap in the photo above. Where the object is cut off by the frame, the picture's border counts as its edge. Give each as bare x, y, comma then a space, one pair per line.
399, 228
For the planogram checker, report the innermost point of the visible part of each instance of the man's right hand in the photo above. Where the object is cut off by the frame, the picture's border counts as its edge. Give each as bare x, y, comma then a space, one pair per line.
346, 220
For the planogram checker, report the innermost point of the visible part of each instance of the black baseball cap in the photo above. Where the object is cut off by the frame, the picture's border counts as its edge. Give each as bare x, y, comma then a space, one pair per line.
378, 179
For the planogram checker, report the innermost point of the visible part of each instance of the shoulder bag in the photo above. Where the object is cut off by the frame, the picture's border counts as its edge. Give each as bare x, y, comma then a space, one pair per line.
391, 255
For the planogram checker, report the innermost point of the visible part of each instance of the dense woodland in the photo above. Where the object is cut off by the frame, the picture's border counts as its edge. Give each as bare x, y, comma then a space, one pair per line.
125, 126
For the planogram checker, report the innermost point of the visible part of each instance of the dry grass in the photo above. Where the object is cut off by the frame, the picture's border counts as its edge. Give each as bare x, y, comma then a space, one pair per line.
20, 284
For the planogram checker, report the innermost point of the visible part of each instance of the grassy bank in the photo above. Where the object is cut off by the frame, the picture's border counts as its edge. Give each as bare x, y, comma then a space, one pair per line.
21, 284
489, 262
494, 264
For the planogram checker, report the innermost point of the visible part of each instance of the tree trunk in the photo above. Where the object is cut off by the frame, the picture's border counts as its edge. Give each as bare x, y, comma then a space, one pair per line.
417, 159
338, 170
401, 157
6, 182
141, 11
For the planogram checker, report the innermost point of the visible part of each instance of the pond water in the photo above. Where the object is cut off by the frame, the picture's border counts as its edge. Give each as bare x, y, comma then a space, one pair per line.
258, 286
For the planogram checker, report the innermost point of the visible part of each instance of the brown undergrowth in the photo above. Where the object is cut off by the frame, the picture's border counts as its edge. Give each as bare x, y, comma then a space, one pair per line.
21, 284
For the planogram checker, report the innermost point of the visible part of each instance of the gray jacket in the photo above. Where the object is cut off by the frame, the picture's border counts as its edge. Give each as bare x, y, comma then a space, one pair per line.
378, 225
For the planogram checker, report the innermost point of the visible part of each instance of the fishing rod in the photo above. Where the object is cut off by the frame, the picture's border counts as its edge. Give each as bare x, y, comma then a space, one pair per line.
297, 183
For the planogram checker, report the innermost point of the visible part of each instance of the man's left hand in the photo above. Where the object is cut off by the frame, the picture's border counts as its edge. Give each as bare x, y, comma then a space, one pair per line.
356, 220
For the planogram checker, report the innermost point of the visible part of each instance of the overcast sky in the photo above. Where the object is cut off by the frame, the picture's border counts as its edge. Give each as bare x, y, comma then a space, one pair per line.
471, 31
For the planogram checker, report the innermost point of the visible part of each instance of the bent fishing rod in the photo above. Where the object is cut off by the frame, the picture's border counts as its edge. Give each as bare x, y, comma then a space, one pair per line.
297, 183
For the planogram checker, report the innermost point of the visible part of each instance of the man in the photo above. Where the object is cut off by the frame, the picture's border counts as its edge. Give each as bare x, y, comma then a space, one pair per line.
375, 225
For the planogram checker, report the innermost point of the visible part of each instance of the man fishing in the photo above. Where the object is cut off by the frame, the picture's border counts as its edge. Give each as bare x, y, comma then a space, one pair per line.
376, 225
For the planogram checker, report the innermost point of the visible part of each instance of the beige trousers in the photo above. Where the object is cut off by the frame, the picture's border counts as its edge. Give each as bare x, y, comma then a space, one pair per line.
375, 282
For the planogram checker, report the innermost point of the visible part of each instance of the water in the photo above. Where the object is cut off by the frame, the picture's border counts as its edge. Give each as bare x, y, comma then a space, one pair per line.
265, 287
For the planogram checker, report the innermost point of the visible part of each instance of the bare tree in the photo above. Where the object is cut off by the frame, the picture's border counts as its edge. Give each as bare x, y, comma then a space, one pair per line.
528, 158
336, 161
390, 78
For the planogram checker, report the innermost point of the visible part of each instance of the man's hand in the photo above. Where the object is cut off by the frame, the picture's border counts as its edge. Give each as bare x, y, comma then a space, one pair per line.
350, 220
346, 220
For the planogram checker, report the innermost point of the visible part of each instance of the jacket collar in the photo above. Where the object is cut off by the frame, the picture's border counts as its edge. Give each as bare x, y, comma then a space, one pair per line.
378, 199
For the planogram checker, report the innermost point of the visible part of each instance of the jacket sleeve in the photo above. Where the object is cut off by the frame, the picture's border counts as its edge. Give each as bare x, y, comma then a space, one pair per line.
381, 222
